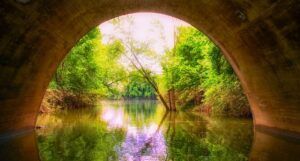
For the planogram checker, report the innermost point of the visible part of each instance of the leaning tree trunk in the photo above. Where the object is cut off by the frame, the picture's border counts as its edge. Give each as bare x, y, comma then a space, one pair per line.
148, 78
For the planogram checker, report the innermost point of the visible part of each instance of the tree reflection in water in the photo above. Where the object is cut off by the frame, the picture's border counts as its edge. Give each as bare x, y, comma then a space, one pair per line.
144, 140
140, 131
143, 144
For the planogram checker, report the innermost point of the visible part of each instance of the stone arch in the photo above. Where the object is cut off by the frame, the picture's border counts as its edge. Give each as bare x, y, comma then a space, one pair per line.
259, 38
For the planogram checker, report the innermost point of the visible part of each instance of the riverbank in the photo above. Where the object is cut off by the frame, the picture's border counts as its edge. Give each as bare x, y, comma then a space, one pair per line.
60, 100
57, 99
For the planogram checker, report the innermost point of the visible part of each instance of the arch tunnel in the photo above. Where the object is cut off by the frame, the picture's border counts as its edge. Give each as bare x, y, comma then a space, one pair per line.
260, 39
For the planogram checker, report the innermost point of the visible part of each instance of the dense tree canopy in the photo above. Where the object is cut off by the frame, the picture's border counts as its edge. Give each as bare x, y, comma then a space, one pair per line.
195, 66
138, 87
91, 67
94, 67
181, 66
77, 72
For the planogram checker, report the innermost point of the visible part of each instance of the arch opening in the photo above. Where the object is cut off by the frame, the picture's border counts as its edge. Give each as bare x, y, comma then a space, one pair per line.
116, 124
164, 45
256, 37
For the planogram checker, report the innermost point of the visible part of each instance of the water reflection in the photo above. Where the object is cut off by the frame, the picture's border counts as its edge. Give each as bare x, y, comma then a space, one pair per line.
143, 144
114, 117
124, 131
144, 140
77, 136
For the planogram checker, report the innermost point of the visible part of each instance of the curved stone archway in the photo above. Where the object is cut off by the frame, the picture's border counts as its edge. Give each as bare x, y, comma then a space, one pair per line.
259, 38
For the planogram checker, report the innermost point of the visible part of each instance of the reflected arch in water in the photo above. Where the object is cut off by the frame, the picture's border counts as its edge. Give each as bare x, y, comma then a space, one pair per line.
22, 147
269, 147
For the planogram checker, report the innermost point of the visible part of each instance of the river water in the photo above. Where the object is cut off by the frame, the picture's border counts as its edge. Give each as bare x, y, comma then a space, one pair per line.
141, 131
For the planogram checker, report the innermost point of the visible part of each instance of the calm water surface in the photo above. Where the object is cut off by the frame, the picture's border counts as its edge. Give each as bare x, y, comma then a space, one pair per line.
141, 131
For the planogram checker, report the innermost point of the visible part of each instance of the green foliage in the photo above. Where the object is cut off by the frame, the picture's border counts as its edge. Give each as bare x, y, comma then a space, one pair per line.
138, 87
111, 75
195, 64
223, 91
181, 65
91, 67
77, 72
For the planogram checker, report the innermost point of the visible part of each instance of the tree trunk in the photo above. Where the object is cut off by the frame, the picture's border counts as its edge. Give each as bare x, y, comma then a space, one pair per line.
172, 100
148, 78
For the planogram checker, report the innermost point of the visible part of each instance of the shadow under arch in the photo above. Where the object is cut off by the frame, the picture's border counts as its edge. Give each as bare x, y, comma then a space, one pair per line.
255, 37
